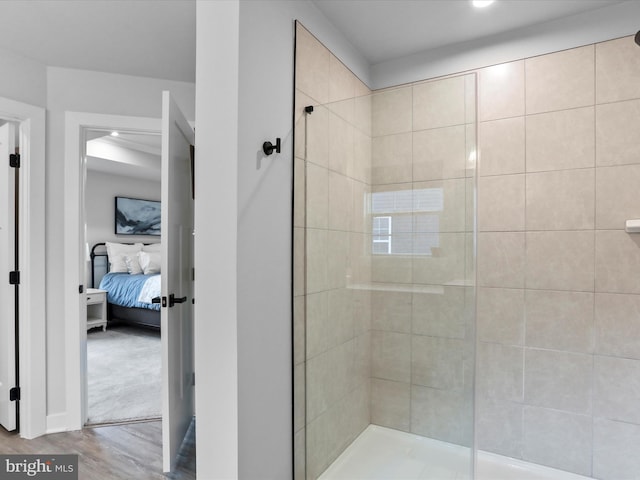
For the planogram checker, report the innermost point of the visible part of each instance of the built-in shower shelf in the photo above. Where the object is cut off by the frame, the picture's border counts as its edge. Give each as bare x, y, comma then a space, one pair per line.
632, 226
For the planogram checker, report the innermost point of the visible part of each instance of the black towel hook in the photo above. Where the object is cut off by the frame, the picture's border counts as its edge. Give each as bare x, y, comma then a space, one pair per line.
268, 147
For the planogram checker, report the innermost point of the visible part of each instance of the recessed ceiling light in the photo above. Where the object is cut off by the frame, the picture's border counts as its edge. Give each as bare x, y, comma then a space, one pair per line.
482, 3
114, 134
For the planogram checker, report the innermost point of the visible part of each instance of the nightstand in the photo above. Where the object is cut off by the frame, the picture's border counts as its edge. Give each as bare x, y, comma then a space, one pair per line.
96, 308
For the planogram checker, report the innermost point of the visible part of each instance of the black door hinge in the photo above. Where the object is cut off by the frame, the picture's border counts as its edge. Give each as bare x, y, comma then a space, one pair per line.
14, 160
80, 288
14, 278
14, 394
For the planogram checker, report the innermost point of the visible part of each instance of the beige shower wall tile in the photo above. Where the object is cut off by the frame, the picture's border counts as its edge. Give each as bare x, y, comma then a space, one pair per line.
302, 101
437, 362
317, 315
499, 426
500, 315
501, 259
360, 221
440, 414
317, 134
363, 113
445, 265
559, 380
470, 98
558, 439
391, 356
392, 269
616, 388
617, 196
312, 66
361, 157
617, 323
338, 248
500, 372
341, 145
439, 312
298, 397
560, 261
299, 261
502, 147
439, 153
340, 319
561, 200
617, 133
316, 260
617, 70
501, 201
617, 262
391, 112
342, 82
391, 311
316, 447
451, 216
299, 192
391, 158
317, 207
390, 404
560, 140
560, 80
615, 448
340, 200
360, 259
560, 320
439, 103
501, 91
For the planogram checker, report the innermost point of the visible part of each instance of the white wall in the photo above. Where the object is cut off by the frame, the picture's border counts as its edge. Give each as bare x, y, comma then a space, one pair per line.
23, 79
101, 188
95, 92
589, 27
263, 109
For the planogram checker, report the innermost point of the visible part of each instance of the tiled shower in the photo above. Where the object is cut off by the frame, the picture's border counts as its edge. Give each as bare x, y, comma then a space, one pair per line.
462, 271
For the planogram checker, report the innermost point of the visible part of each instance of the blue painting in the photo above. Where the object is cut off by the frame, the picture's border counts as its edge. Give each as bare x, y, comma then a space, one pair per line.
137, 217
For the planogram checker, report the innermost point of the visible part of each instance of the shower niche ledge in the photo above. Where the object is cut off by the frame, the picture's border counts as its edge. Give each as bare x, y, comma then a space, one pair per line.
632, 226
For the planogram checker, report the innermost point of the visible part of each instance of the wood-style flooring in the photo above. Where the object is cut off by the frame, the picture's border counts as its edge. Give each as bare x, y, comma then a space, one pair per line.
111, 452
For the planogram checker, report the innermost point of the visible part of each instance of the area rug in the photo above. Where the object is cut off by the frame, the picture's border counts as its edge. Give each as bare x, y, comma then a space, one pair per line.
124, 367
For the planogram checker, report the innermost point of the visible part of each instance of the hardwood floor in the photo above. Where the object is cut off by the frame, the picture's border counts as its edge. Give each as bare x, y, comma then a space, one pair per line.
111, 452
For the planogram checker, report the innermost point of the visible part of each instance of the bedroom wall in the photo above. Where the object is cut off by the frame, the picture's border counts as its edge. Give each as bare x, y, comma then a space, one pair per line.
101, 188
95, 92
27, 82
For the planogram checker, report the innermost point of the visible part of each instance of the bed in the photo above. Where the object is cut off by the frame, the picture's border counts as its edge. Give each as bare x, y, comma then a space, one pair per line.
130, 291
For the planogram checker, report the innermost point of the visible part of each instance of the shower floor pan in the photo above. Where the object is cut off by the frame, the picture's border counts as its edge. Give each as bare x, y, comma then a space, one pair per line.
381, 453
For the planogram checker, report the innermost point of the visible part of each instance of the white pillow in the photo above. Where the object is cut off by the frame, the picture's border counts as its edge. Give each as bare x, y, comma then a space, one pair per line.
153, 247
150, 262
117, 253
133, 264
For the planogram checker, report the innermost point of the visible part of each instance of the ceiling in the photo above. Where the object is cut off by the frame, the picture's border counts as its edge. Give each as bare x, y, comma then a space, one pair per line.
156, 38
149, 38
387, 29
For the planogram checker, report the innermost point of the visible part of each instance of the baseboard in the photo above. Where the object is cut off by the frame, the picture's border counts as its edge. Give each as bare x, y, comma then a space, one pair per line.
57, 422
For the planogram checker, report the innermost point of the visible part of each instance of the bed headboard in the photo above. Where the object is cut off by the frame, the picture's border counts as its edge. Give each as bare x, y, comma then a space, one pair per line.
99, 263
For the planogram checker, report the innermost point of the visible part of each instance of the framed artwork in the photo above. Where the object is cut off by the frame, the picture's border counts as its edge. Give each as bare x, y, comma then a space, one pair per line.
135, 216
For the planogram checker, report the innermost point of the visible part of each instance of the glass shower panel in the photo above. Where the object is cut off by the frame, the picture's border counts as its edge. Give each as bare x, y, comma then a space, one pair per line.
385, 255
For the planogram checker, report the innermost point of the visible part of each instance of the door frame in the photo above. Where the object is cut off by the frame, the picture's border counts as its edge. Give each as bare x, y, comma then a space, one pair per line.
76, 124
31, 305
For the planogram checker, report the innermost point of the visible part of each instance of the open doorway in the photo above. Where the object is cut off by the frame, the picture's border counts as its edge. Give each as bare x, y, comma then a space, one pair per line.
122, 231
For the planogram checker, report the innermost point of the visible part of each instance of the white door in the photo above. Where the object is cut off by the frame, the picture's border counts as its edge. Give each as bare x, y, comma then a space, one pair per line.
7, 292
177, 280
